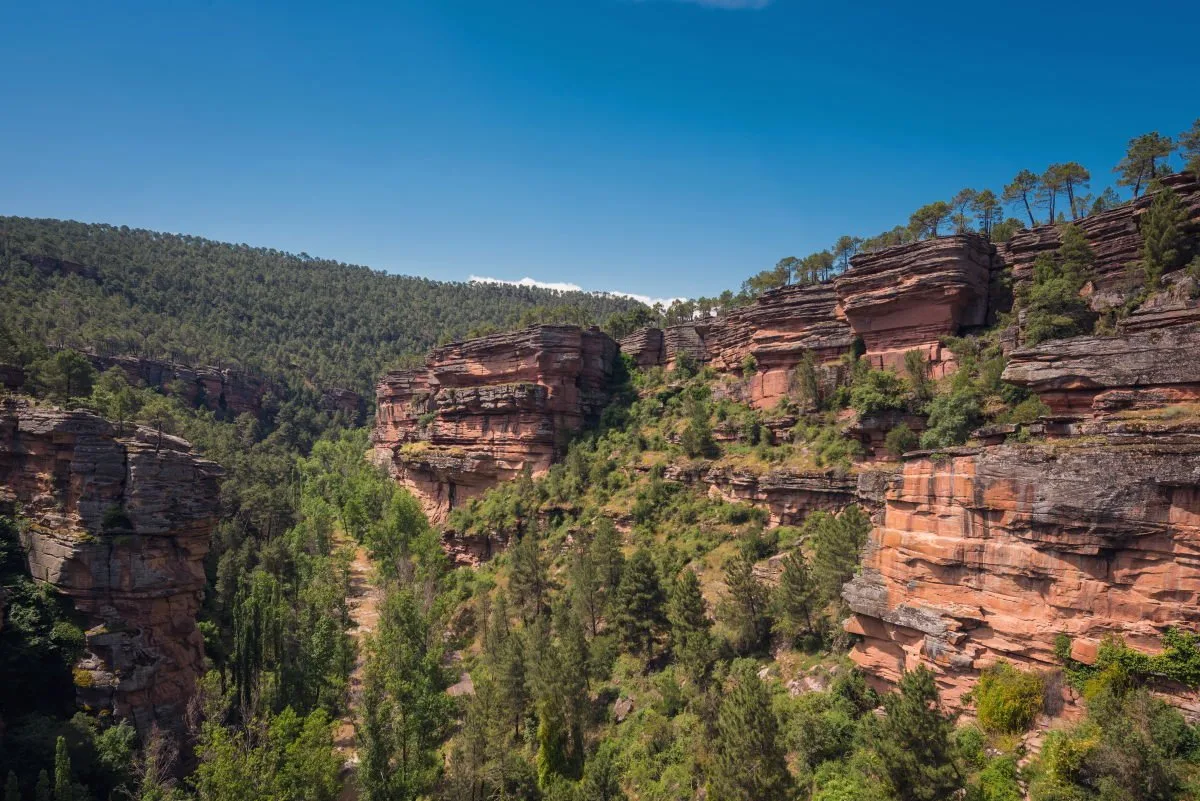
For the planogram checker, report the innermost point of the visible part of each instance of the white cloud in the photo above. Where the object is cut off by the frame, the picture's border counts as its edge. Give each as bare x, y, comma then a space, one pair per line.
568, 287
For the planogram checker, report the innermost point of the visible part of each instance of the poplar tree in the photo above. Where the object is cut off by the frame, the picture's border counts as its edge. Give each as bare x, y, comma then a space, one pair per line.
63, 788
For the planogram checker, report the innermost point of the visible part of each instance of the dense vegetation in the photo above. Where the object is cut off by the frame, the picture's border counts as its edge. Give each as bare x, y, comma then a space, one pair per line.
638, 638
188, 299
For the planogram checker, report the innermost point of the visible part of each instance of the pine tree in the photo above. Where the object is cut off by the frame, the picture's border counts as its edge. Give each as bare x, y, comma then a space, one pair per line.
794, 599
529, 578
638, 608
1163, 243
748, 758
836, 542
691, 640
63, 788
746, 606
12, 788
913, 741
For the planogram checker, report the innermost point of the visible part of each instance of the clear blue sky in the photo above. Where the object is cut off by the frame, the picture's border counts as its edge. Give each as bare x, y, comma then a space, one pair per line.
661, 147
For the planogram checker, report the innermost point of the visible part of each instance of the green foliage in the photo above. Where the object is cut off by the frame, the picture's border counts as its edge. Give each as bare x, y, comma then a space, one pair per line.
1008, 700
913, 741
952, 417
835, 542
749, 366
1051, 301
827, 445
691, 638
794, 601
1164, 246
877, 391
196, 301
62, 376
639, 608
748, 762
900, 440
287, 757
745, 609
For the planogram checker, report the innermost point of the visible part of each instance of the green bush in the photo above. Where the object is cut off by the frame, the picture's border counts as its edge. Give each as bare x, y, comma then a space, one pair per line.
1007, 700
900, 440
878, 391
1051, 301
951, 418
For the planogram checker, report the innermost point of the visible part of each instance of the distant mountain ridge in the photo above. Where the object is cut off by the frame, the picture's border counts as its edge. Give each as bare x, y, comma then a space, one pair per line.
118, 290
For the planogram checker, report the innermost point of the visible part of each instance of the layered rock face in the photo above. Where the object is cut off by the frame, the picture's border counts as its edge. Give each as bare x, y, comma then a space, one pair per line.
483, 411
788, 496
909, 297
1113, 236
1093, 375
119, 522
216, 389
991, 554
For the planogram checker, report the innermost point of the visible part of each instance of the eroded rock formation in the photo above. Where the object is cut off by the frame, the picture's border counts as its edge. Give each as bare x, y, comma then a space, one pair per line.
119, 522
485, 410
216, 389
1113, 236
992, 553
910, 297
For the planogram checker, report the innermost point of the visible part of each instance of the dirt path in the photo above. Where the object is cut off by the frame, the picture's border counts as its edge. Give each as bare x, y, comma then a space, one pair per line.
364, 611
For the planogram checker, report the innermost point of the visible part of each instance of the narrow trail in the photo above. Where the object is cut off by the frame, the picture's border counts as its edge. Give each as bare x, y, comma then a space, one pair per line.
364, 611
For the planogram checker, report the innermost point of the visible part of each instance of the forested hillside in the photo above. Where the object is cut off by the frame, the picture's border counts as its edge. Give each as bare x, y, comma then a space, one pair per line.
118, 290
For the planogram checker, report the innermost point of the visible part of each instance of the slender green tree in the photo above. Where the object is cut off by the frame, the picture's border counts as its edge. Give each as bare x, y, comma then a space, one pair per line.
961, 204
691, 636
529, 577
42, 791
794, 601
1023, 188
913, 741
1164, 246
639, 612
987, 210
748, 761
745, 608
12, 788
1140, 164
1189, 148
64, 788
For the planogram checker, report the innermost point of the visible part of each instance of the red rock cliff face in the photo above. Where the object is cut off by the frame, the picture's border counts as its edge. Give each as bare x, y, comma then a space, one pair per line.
120, 524
991, 554
1113, 236
482, 411
909, 297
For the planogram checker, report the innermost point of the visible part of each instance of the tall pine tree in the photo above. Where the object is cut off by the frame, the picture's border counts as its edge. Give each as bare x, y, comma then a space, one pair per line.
748, 758
638, 608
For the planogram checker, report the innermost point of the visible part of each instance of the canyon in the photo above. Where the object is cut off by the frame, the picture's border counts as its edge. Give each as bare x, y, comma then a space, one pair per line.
118, 521
1087, 526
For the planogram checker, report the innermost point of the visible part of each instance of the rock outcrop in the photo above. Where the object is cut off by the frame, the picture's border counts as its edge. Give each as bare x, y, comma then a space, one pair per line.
119, 522
1113, 236
788, 496
485, 410
216, 389
910, 297
988, 554
1095, 375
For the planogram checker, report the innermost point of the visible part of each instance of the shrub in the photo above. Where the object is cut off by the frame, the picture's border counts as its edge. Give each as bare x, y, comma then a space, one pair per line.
1052, 303
1007, 700
749, 365
900, 440
878, 391
951, 418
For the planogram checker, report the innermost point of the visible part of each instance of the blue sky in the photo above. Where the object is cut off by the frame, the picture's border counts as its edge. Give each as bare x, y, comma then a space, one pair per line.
661, 147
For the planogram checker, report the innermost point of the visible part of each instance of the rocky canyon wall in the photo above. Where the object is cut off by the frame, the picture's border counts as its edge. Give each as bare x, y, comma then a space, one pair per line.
1092, 529
485, 410
118, 522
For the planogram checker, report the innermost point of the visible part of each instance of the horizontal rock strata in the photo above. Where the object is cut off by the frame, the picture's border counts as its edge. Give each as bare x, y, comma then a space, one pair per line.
991, 554
485, 410
119, 522
910, 297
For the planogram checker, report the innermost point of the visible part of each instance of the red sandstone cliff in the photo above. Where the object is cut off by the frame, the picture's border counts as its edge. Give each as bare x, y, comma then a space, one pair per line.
990, 553
216, 389
485, 410
120, 524
1113, 236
